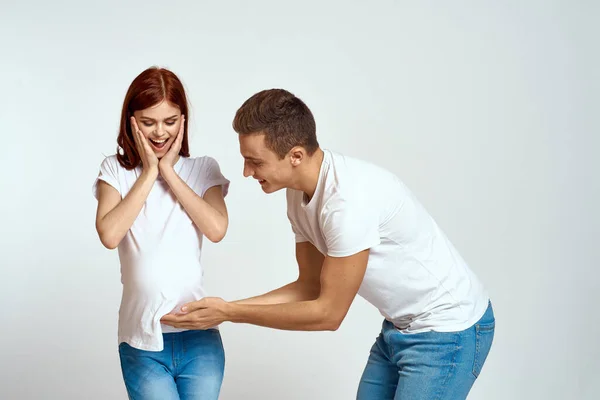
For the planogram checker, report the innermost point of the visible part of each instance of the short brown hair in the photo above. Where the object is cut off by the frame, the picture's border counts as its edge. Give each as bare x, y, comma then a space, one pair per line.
148, 89
284, 119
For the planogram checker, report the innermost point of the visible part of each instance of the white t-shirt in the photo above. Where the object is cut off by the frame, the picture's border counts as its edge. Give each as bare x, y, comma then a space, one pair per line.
415, 276
160, 254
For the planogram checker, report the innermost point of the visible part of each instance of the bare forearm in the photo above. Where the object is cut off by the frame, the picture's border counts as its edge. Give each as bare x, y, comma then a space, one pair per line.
114, 225
292, 292
209, 221
298, 316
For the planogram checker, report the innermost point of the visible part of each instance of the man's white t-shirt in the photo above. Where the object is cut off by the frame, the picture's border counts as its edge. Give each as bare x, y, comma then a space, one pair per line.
415, 276
160, 254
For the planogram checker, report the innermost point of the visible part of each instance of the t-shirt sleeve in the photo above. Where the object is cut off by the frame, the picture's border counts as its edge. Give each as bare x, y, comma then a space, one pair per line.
291, 213
109, 174
349, 226
299, 237
213, 177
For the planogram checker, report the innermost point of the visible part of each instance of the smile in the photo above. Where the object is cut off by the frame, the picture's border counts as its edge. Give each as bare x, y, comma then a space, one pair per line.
159, 144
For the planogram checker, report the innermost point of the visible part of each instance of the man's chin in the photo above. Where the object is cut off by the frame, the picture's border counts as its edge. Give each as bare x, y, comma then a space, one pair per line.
268, 189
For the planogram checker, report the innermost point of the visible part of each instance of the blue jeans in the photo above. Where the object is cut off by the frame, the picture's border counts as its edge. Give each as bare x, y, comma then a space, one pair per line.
190, 367
426, 366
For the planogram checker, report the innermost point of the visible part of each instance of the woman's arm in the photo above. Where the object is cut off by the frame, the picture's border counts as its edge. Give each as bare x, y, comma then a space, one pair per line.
208, 213
114, 216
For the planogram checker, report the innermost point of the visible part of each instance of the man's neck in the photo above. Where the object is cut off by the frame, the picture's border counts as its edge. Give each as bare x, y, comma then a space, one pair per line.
309, 175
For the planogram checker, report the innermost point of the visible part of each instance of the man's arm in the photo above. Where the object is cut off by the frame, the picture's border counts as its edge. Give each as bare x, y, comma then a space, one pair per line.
306, 287
340, 280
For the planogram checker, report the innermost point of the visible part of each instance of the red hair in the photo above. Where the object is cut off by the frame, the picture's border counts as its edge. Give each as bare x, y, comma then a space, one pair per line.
148, 89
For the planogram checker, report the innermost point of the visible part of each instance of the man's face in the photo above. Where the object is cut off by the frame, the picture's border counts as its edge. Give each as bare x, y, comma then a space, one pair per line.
263, 164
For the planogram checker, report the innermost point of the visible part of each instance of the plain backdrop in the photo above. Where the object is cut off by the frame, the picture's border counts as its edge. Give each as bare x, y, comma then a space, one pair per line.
487, 110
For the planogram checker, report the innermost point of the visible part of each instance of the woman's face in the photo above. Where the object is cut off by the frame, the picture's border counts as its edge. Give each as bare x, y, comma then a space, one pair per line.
159, 124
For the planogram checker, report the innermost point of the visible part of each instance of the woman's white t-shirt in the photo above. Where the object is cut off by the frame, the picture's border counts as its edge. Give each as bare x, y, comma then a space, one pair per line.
160, 254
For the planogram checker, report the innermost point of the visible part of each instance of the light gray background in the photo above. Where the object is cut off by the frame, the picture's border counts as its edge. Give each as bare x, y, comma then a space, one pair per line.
483, 108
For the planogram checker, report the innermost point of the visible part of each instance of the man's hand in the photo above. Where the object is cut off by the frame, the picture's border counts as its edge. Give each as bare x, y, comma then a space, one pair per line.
202, 314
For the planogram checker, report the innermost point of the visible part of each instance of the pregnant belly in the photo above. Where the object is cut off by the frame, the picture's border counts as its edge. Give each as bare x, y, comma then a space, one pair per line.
152, 277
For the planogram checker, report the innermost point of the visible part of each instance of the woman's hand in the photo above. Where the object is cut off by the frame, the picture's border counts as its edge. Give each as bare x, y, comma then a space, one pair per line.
169, 159
149, 159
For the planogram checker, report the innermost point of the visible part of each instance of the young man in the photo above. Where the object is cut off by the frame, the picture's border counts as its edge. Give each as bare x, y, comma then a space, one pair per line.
359, 229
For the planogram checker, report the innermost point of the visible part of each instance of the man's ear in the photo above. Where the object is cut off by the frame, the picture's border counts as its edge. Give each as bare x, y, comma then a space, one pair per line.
297, 155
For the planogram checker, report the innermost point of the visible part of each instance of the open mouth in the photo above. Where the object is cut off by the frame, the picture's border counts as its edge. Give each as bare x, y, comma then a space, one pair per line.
158, 144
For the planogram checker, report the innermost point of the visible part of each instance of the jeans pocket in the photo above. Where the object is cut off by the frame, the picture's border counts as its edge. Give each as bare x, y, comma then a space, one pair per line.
483, 343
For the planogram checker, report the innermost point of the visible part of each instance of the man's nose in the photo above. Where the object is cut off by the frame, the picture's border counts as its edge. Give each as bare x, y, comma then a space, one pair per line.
247, 171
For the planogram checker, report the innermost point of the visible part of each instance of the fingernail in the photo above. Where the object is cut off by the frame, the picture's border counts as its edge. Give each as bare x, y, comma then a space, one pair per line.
184, 308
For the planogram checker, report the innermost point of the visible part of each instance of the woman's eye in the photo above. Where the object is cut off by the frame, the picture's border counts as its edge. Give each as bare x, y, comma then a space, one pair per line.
170, 123
147, 123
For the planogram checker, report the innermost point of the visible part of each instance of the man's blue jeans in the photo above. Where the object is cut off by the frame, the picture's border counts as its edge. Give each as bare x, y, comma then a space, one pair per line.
426, 366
